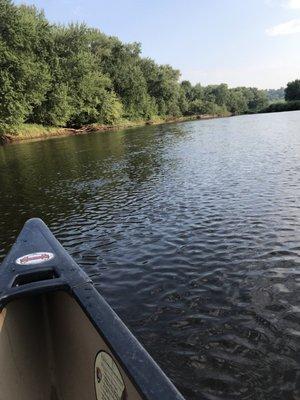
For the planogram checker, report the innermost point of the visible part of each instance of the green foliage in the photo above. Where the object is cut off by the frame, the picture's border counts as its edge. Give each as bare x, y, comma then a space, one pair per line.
75, 75
81, 93
187, 90
24, 73
283, 106
237, 102
198, 92
275, 94
219, 99
292, 91
258, 101
292, 97
217, 94
121, 62
163, 87
55, 109
204, 107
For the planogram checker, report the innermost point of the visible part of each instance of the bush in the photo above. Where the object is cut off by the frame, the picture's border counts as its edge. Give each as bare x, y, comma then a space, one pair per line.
283, 106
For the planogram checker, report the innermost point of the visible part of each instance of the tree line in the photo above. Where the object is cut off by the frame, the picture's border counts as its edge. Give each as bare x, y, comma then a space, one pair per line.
291, 97
275, 94
73, 75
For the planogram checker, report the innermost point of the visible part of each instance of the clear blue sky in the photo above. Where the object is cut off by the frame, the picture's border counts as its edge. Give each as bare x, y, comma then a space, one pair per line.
240, 42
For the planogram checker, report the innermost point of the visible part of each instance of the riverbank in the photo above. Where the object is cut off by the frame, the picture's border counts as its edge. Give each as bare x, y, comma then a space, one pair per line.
282, 106
26, 132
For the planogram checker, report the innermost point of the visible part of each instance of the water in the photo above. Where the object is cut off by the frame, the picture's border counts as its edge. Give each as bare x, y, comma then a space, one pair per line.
191, 232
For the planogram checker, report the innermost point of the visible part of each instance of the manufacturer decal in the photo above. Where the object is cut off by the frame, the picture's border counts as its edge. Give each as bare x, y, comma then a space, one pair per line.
34, 258
109, 383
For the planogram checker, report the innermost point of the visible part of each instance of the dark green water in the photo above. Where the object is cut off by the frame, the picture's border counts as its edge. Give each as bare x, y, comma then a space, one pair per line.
191, 231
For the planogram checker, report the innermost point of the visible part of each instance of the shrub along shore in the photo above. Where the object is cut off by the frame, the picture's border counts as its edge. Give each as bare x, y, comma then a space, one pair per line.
280, 106
38, 132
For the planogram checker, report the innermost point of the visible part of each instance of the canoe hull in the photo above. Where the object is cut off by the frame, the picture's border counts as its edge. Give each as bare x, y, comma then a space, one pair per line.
48, 349
59, 339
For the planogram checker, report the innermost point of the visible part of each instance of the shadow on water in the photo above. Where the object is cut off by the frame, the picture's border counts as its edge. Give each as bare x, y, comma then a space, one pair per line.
191, 232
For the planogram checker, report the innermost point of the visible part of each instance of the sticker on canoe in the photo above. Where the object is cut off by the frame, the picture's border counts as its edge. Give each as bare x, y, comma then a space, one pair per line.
109, 383
34, 258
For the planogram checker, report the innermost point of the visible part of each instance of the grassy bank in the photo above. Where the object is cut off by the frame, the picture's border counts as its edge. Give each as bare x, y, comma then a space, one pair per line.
33, 131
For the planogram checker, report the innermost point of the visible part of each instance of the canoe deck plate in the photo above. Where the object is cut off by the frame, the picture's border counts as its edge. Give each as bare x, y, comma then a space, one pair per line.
109, 383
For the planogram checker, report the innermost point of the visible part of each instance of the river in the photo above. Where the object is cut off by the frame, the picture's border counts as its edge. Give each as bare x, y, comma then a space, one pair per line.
191, 231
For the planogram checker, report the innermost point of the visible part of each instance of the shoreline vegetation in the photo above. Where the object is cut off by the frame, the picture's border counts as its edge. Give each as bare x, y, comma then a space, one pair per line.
69, 79
281, 106
28, 132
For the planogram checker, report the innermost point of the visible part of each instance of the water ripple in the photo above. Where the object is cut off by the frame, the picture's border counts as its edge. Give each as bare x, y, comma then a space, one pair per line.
191, 232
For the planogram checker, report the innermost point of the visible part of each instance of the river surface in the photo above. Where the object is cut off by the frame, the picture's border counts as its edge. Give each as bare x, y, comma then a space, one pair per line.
191, 232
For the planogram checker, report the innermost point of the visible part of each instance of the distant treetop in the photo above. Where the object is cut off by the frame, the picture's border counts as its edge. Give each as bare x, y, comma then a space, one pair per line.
292, 91
275, 94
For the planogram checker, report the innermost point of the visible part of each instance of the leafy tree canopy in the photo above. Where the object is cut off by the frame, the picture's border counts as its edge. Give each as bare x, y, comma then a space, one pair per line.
74, 75
292, 91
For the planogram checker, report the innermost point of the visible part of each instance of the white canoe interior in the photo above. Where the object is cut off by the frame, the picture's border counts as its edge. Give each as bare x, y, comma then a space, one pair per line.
48, 349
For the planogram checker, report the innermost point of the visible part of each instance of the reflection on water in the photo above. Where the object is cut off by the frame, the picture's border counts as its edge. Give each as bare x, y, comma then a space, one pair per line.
191, 232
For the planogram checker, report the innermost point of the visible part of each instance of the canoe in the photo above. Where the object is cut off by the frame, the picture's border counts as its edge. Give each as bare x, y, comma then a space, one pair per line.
59, 339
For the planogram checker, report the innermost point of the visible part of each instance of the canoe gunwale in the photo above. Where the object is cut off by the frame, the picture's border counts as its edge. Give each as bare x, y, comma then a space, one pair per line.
149, 380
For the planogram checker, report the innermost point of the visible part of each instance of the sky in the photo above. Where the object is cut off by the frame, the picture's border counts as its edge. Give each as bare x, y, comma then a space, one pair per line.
239, 42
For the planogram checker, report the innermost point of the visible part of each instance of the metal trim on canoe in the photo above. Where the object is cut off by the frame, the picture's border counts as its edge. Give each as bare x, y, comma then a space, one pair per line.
38, 264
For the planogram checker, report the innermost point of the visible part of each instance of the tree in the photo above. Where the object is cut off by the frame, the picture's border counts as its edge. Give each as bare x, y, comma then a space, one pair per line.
221, 94
259, 100
198, 92
163, 87
24, 73
236, 102
75, 75
121, 62
275, 94
80, 92
292, 91
187, 90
